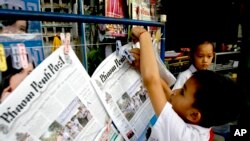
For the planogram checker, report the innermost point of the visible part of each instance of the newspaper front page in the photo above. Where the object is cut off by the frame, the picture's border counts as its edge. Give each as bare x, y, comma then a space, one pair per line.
56, 102
124, 96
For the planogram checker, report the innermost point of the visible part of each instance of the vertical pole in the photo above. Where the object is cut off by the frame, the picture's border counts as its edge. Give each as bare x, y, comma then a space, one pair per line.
163, 40
83, 38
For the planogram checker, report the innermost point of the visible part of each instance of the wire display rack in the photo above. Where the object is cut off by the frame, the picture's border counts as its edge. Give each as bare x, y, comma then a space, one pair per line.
6, 14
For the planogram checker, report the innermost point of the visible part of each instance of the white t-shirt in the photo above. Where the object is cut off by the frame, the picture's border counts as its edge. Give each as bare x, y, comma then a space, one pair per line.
170, 127
183, 77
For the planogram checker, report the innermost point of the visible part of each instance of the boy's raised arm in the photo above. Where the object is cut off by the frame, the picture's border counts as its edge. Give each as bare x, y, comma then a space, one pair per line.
149, 70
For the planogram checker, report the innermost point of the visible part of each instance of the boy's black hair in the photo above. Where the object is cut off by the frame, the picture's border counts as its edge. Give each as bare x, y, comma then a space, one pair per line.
218, 98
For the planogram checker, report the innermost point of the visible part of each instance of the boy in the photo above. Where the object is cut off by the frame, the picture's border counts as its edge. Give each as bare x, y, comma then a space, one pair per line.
187, 114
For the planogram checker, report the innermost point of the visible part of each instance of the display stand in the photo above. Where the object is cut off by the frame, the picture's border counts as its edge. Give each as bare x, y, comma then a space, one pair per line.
6, 14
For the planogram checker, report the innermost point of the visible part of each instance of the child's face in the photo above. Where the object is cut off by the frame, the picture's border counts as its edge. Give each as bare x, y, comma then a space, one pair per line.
183, 98
203, 56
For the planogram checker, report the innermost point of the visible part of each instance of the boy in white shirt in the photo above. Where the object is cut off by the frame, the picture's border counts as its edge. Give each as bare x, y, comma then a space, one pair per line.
185, 114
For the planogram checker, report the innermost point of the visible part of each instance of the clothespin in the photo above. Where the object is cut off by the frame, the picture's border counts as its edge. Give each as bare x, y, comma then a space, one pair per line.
15, 57
3, 64
56, 43
128, 55
136, 45
67, 44
158, 35
156, 40
65, 40
118, 47
23, 55
123, 51
62, 36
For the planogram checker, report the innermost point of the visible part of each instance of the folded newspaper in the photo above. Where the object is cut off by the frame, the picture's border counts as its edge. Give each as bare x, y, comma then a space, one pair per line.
59, 101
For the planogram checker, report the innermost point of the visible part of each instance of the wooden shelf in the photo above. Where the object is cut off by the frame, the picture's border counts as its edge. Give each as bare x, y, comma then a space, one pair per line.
177, 58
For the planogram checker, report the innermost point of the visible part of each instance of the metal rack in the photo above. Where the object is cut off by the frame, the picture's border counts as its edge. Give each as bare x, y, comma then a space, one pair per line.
225, 67
6, 14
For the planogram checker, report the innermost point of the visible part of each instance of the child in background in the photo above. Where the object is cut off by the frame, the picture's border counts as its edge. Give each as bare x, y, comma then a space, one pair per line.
201, 55
186, 114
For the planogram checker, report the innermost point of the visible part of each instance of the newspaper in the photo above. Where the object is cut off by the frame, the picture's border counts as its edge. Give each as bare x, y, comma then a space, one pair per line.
59, 101
56, 102
124, 96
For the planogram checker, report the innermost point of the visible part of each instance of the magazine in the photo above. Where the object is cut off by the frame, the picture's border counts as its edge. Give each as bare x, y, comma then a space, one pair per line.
59, 101
144, 10
29, 33
115, 9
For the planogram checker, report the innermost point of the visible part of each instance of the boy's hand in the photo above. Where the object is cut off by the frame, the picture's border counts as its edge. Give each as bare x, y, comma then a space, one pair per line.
136, 54
136, 32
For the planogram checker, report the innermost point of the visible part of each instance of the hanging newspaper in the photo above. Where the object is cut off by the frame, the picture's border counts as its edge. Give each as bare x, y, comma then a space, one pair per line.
124, 96
55, 102
60, 101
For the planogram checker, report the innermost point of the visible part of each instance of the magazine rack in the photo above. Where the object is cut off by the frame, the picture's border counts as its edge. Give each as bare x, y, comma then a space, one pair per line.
6, 14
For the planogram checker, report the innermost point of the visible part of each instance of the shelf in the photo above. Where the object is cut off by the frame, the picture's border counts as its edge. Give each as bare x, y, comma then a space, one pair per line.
179, 63
225, 53
177, 58
227, 62
57, 25
69, 17
226, 68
